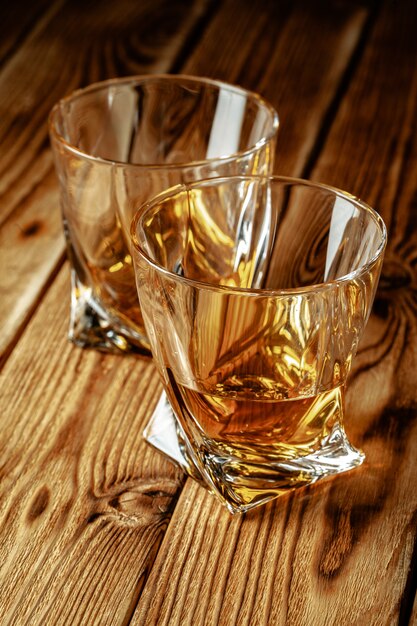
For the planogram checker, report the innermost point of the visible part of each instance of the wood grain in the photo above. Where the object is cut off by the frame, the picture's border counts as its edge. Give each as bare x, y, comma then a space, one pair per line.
271, 59
69, 47
79, 534
59, 548
31, 248
84, 504
347, 552
83, 501
18, 19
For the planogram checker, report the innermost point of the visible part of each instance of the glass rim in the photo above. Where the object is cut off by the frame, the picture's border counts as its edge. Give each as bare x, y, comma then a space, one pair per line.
166, 78
260, 292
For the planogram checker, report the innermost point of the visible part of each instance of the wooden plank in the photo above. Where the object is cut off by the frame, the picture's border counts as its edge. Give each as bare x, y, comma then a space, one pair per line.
31, 247
340, 552
18, 19
413, 618
81, 518
71, 47
84, 501
272, 61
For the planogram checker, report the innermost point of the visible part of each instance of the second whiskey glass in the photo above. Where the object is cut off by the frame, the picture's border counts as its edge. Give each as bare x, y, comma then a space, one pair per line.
117, 144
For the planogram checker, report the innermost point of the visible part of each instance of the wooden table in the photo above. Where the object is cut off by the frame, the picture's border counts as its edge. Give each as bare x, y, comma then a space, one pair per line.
95, 526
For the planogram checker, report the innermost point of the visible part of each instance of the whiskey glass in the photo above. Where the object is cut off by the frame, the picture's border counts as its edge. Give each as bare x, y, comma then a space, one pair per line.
255, 292
120, 142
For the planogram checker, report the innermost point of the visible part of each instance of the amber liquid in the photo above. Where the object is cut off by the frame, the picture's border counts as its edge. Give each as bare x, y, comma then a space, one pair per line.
251, 427
251, 448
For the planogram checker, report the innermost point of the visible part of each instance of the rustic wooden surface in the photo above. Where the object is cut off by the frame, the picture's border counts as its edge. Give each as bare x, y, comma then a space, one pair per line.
97, 528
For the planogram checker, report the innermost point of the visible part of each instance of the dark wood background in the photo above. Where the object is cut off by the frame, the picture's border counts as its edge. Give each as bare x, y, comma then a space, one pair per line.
96, 527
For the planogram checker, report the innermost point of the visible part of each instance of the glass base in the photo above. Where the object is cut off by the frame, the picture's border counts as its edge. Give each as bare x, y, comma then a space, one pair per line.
92, 327
163, 434
241, 485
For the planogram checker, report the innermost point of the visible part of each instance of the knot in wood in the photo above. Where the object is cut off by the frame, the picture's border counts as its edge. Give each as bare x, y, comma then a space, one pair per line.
39, 504
140, 504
